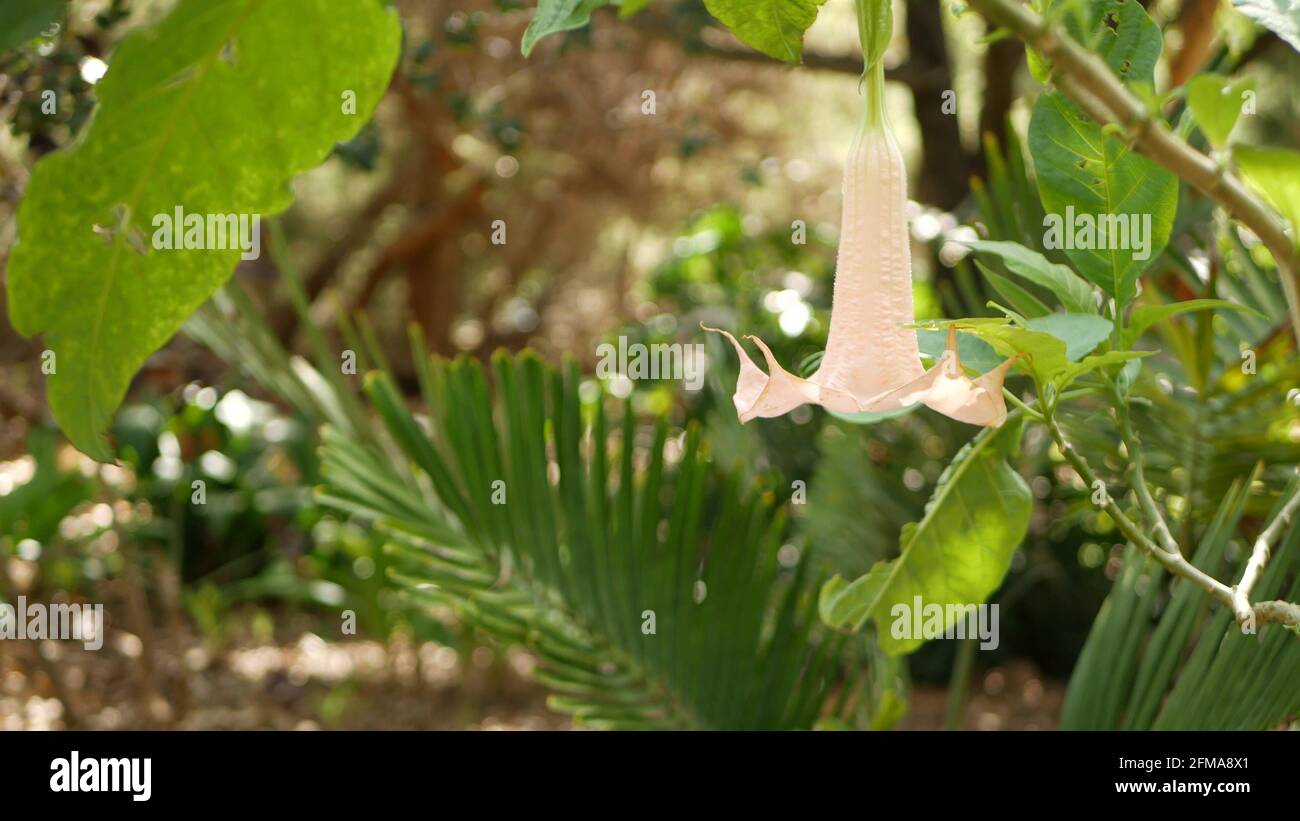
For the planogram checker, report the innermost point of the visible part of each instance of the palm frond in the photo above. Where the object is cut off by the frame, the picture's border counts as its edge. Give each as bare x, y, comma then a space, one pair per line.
652, 587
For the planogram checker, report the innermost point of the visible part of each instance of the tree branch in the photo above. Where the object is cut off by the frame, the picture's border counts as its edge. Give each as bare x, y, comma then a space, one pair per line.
1086, 79
1272, 611
1260, 554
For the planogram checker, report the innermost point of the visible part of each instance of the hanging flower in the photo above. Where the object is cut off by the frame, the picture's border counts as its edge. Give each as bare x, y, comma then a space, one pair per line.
872, 363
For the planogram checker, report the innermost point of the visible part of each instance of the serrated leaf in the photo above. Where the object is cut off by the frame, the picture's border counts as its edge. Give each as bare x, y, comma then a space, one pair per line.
774, 27
214, 110
1216, 102
1282, 17
1074, 292
1084, 174
957, 554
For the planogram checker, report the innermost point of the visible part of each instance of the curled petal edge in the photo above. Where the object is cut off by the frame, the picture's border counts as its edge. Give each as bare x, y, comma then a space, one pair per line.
945, 387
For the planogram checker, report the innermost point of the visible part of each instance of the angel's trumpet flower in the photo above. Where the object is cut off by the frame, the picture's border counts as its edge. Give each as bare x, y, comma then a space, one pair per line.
872, 363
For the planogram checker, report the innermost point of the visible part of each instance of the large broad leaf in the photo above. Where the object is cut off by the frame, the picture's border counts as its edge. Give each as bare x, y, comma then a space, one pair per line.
956, 555
1118, 30
1282, 17
213, 111
774, 27
1086, 176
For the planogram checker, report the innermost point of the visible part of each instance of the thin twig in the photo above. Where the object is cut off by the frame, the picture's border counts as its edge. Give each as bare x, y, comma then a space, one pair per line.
1271, 611
1259, 556
1146, 501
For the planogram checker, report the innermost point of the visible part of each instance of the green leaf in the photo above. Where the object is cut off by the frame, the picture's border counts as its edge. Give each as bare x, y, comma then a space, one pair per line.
1216, 103
555, 16
774, 27
1145, 316
957, 554
875, 27
1275, 174
1080, 332
1066, 377
1074, 292
214, 110
23, 20
1050, 342
1085, 175
1045, 354
1119, 31
1128, 40
1022, 301
1282, 17
975, 353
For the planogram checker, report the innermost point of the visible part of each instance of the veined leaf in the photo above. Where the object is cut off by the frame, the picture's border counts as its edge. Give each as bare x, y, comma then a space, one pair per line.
956, 555
1120, 31
774, 27
212, 111
1074, 292
1085, 175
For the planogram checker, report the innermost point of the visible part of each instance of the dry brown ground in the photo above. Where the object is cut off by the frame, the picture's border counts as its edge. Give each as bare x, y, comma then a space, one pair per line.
296, 680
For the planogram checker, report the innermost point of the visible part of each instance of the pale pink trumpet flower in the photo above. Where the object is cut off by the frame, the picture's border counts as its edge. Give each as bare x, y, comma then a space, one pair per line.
872, 363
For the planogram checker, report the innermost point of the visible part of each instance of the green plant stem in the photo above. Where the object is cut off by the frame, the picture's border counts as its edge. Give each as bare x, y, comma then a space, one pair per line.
959, 683
1025, 409
1137, 461
1173, 561
1259, 555
1085, 78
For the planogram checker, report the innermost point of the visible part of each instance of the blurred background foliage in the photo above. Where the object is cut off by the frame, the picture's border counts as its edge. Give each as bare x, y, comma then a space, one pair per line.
626, 215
